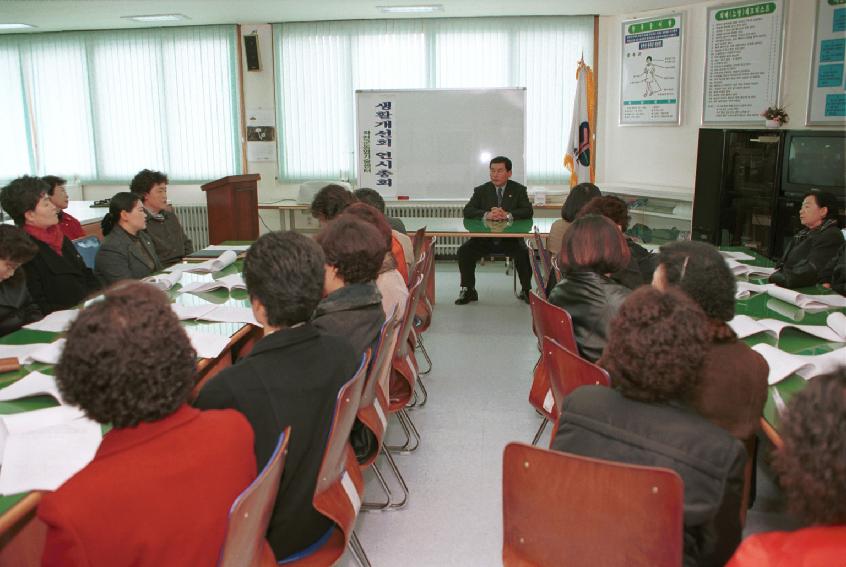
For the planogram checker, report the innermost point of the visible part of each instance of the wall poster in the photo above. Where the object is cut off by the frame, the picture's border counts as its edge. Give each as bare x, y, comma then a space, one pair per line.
743, 61
827, 91
650, 85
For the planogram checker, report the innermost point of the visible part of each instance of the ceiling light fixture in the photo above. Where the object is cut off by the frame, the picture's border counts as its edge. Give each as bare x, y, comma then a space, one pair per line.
421, 9
15, 26
156, 18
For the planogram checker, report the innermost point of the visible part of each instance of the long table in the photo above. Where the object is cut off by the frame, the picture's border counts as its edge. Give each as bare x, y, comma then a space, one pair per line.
21, 535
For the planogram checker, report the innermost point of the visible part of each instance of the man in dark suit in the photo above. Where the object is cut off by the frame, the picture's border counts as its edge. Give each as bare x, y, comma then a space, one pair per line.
504, 200
291, 377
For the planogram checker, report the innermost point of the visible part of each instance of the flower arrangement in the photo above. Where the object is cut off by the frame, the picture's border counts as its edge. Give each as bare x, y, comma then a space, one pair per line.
776, 114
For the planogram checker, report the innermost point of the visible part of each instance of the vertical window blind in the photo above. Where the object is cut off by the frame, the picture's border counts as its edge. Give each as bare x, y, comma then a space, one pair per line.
319, 65
103, 105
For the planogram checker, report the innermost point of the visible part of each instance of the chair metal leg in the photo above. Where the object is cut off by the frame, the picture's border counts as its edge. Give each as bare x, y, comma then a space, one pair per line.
411, 434
540, 431
412, 427
425, 394
400, 479
407, 433
358, 551
422, 348
379, 505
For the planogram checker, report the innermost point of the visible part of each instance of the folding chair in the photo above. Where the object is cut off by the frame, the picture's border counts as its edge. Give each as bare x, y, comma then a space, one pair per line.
548, 320
567, 371
245, 544
339, 484
537, 273
417, 241
562, 510
87, 246
425, 310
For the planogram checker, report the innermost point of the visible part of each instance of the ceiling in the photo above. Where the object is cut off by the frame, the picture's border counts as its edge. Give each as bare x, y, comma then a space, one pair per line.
54, 15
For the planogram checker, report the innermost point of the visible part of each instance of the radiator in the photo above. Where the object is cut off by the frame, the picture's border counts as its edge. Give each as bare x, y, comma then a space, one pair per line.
195, 221
446, 246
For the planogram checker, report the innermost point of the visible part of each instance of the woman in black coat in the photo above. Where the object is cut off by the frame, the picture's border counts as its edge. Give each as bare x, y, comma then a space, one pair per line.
812, 248
127, 253
57, 277
16, 305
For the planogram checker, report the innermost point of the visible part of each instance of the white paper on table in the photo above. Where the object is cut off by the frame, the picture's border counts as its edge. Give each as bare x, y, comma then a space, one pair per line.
207, 345
49, 353
207, 267
192, 311
164, 281
783, 364
736, 255
230, 282
21, 352
55, 322
807, 302
746, 290
44, 458
225, 314
25, 421
33, 384
740, 269
235, 247
833, 331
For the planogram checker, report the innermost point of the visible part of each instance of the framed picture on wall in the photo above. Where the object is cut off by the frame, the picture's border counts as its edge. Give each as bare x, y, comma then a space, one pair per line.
651, 71
827, 84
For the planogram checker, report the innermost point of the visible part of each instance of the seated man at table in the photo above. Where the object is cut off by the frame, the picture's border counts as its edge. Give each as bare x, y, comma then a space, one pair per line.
290, 378
500, 199
169, 238
59, 197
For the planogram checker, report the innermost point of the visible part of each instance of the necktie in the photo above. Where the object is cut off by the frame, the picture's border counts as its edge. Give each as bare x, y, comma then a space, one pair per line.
499, 196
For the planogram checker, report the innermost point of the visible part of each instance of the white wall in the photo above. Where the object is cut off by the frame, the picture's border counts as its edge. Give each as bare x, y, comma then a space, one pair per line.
664, 157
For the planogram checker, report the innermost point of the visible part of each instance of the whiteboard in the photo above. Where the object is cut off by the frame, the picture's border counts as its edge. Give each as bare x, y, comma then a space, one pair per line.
437, 143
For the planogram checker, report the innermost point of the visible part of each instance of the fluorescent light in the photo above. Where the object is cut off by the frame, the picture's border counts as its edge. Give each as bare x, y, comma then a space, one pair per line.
157, 18
422, 9
15, 26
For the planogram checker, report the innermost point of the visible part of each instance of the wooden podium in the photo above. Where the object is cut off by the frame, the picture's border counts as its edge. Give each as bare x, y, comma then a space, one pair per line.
233, 208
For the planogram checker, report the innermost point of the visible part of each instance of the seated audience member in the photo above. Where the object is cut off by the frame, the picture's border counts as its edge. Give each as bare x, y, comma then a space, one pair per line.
330, 202
163, 226
812, 471
16, 305
578, 197
812, 248
732, 386
127, 252
834, 274
593, 248
642, 264
401, 245
654, 355
59, 197
290, 378
57, 277
390, 282
352, 305
159, 489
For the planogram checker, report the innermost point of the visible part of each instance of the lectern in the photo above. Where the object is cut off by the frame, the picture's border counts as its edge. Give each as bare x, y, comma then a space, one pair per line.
233, 208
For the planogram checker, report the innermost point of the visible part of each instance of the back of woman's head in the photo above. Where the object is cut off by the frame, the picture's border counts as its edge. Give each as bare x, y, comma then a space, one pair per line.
579, 196
330, 201
372, 216
355, 248
608, 206
121, 202
656, 345
15, 245
594, 243
698, 269
127, 358
812, 461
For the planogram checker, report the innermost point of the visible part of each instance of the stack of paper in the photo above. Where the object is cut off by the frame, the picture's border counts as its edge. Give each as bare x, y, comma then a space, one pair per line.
234, 247
164, 281
834, 330
746, 290
807, 302
42, 449
207, 267
740, 269
739, 256
33, 384
783, 364
47, 353
207, 345
230, 282
215, 313
55, 322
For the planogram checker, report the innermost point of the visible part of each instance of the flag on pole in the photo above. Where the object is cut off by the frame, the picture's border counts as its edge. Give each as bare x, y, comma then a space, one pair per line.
580, 155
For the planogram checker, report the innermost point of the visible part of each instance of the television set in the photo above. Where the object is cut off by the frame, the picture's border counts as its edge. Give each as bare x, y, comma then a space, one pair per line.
814, 159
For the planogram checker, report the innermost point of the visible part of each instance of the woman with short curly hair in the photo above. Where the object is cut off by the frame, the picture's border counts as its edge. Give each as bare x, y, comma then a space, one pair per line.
812, 471
159, 489
732, 387
655, 347
16, 305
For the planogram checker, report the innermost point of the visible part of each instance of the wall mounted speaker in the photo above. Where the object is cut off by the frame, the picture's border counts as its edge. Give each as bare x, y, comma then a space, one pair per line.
252, 53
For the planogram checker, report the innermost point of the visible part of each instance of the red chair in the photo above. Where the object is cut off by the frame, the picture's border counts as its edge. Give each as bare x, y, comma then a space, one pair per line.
548, 320
339, 484
423, 313
567, 371
417, 241
245, 544
537, 271
563, 510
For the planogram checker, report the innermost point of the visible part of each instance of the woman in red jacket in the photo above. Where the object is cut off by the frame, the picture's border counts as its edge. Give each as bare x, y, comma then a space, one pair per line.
159, 489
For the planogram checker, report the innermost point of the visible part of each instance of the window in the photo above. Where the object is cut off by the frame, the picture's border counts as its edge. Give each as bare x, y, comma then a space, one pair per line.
103, 105
320, 65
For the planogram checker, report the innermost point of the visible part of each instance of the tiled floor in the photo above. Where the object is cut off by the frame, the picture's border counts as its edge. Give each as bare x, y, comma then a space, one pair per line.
483, 357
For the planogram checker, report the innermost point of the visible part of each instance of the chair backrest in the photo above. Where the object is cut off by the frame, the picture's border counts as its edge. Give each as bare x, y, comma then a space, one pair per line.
337, 494
414, 291
545, 259
250, 513
552, 321
87, 246
567, 371
417, 241
562, 510
534, 262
